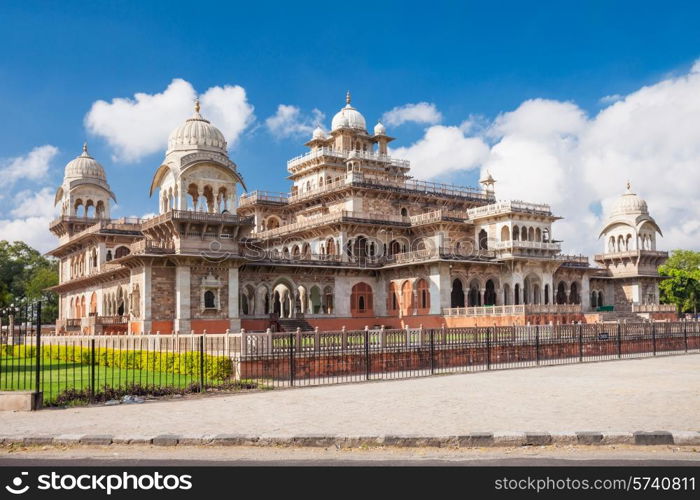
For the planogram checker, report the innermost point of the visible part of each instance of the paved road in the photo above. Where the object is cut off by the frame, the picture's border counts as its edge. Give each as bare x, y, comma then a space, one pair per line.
505, 462
121, 455
660, 393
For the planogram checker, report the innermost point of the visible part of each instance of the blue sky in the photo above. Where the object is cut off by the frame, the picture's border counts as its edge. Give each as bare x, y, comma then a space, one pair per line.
465, 59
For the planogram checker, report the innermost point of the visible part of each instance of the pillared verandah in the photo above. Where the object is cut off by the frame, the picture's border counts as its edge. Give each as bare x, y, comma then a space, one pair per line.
357, 241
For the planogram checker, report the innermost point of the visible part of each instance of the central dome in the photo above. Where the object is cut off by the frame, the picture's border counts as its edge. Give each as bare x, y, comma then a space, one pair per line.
85, 166
197, 133
348, 117
629, 204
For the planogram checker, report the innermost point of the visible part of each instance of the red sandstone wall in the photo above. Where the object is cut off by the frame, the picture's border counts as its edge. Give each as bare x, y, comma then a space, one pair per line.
328, 365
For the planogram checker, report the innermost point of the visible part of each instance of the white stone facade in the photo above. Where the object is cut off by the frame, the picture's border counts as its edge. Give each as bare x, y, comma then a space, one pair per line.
356, 239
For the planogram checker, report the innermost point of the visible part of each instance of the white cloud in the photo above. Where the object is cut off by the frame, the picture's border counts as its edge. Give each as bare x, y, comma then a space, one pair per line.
288, 121
228, 108
422, 112
34, 231
610, 99
32, 166
443, 150
139, 126
35, 204
30, 213
551, 151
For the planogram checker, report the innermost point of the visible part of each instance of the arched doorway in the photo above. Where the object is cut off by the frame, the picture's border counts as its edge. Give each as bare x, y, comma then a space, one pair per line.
490, 294
457, 295
561, 293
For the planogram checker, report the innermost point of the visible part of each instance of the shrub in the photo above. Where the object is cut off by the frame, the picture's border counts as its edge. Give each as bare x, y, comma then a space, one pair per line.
180, 363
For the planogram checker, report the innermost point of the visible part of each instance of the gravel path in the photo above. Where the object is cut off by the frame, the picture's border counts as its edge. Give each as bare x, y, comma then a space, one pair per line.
630, 395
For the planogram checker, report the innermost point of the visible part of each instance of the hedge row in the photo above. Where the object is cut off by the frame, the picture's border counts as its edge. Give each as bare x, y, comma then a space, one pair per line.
185, 363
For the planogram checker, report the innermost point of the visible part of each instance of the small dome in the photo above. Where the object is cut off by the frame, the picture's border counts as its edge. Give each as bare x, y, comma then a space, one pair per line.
379, 129
196, 133
319, 133
85, 166
348, 117
629, 204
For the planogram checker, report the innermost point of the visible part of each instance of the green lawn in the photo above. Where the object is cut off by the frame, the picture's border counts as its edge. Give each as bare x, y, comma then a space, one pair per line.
56, 376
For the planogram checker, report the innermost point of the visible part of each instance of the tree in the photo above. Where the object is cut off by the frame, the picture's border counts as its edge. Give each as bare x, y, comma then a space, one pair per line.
682, 284
24, 272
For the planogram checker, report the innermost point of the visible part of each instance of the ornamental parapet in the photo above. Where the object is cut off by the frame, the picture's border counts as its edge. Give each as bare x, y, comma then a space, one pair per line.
505, 207
332, 218
341, 156
513, 310
194, 216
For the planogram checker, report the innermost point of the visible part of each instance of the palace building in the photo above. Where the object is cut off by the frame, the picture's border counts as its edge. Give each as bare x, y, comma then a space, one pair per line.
357, 241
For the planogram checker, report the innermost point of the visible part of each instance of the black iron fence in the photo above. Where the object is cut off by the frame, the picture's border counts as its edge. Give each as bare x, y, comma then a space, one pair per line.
82, 369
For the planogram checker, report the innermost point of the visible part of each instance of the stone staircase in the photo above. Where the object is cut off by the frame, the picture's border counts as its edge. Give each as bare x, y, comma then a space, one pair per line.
291, 325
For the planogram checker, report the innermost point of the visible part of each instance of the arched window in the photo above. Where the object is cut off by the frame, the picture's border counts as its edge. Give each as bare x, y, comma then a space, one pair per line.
423, 294
209, 300
538, 234
531, 234
611, 245
361, 299
505, 233
600, 299
404, 212
628, 243
483, 240
516, 294
121, 252
516, 233
594, 299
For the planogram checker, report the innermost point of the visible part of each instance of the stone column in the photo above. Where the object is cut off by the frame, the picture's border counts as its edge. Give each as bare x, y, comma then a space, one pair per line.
182, 299
145, 299
233, 312
440, 288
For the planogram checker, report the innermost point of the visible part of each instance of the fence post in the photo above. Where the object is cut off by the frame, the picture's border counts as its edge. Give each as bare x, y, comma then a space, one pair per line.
367, 360
685, 335
619, 341
201, 363
292, 367
92, 369
37, 348
580, 342
488, 347
653, 336
432, 351
537, 343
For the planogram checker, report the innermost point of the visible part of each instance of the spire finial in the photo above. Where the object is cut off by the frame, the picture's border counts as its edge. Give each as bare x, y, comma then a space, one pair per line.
348, 98
85, 147
196, 105
629, 185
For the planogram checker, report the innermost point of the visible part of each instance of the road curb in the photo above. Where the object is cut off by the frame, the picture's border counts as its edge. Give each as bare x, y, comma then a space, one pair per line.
471, 440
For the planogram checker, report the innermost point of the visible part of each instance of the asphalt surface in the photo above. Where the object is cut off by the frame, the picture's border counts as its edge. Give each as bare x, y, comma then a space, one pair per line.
505, 462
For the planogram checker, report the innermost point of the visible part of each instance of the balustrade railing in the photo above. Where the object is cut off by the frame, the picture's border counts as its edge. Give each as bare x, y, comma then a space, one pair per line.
509, 206
513, 310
